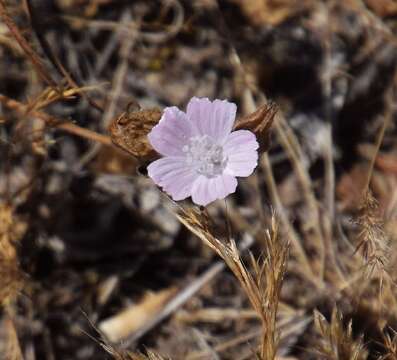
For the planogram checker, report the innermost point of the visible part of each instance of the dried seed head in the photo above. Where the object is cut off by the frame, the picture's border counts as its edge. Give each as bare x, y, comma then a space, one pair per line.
260, 123
129, 132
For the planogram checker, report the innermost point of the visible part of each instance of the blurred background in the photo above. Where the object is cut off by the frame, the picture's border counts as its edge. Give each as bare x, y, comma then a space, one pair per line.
94, 261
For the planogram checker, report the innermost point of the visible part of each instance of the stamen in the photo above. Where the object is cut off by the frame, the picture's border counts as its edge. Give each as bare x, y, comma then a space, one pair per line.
205, 156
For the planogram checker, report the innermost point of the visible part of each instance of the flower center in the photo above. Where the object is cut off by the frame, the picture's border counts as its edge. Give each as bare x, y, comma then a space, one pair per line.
205, 156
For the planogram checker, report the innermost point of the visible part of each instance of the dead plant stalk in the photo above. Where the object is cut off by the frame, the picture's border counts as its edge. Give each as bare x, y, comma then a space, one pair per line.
55, 122
263, 285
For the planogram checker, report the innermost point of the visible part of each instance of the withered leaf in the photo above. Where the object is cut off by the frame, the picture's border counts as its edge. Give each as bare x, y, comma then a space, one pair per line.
129, 132
260, 123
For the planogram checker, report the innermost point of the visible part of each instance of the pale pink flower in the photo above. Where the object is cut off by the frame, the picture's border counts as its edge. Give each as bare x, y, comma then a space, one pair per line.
201, 154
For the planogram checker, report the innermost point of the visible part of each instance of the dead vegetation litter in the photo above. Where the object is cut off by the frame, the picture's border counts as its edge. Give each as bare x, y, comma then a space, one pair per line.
95, 262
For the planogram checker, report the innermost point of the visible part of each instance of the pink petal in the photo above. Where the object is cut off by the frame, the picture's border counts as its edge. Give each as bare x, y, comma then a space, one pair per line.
172, 132
206, 190
241, 150
174, 176
214, 119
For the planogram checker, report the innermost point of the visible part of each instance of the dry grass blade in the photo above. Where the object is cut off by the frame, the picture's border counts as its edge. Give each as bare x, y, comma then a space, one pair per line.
262, 286
336, 341
49, 95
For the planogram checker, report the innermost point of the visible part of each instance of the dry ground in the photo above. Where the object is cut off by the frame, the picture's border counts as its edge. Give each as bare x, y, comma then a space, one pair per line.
299, 263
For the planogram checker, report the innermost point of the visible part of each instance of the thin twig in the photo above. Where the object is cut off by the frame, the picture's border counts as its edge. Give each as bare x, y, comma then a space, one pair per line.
155, 37
55, 122
31, 54
121, 70
327, 148
36, 19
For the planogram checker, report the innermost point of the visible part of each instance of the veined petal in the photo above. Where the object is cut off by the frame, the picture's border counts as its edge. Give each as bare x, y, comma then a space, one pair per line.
174, 176
206, 190
241, 151
214, 118
172, 132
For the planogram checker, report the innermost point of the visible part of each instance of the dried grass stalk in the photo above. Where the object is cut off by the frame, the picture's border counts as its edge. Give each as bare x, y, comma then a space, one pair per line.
151, 356
336, 341
128, 355
371, 238
263, 285
390, 343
